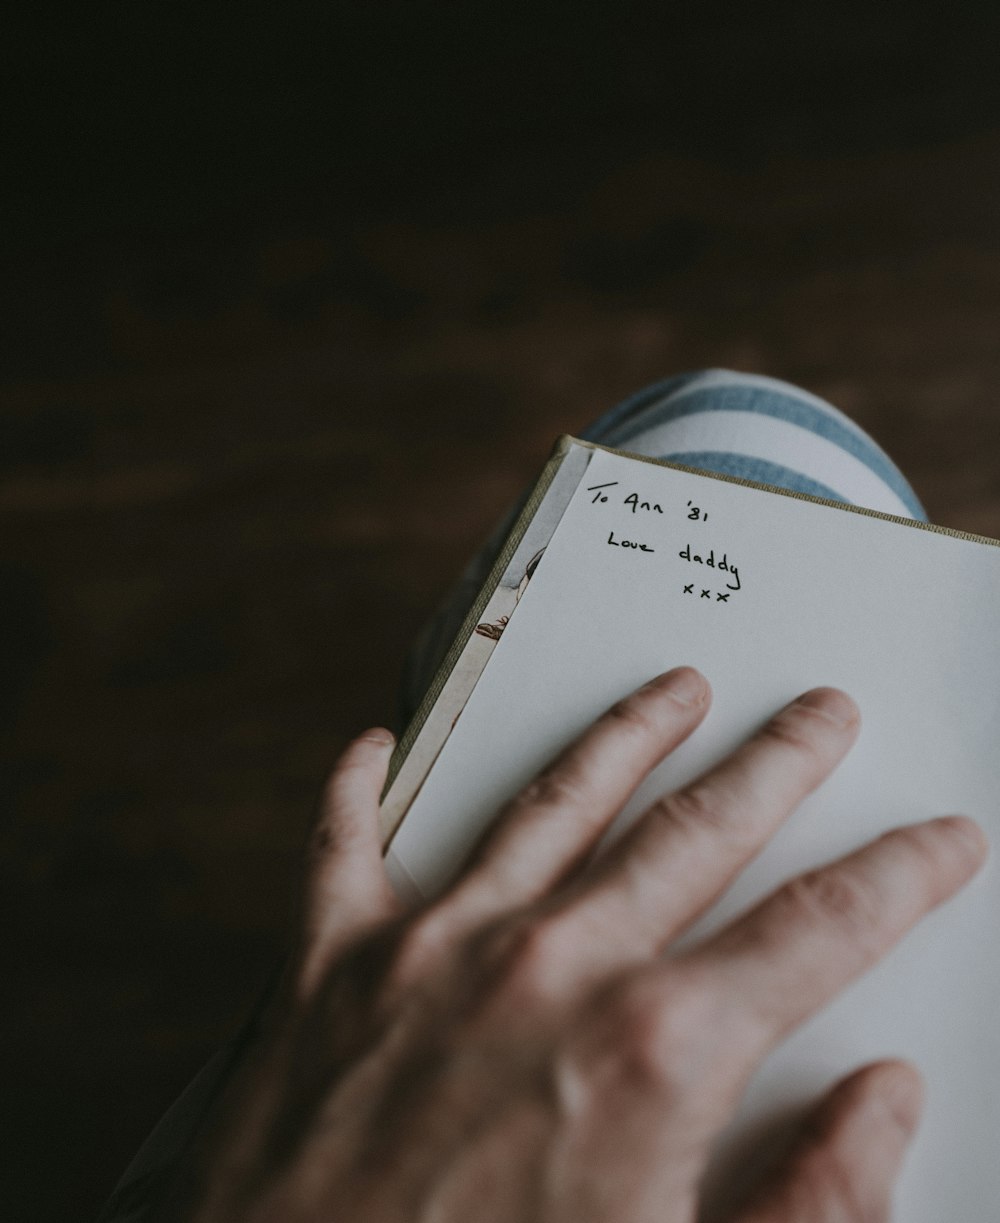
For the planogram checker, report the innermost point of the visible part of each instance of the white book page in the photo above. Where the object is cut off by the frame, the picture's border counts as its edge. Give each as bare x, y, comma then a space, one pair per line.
786, 595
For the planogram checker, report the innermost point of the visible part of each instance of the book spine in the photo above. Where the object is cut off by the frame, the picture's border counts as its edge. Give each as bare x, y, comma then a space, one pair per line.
480, 632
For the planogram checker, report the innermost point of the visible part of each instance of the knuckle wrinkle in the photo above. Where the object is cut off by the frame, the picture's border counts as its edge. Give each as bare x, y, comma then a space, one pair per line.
840, 896
794, 731
634, 717
691, 807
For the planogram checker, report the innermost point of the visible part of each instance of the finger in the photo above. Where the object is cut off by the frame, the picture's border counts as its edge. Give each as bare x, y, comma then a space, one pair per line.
688, 847
551, 826
798, 948
848, 1154
346, 884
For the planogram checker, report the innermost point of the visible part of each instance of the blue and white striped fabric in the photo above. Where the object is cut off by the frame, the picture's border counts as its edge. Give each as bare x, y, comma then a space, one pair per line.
742, 425
761, 429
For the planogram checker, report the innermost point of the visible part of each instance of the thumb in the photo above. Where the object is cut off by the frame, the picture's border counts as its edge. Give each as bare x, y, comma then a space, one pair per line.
346, 888
847, 1157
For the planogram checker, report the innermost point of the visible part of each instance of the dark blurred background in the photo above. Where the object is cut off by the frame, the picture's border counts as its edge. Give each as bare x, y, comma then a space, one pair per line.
293, 301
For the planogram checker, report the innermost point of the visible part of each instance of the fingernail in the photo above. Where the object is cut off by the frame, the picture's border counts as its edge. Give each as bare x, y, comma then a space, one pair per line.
378, 734
685, 685
969, 832
830, 703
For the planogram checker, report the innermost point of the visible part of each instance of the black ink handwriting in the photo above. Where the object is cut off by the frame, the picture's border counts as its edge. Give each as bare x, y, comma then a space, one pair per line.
651, 507
596, 488
710, 560
628, 543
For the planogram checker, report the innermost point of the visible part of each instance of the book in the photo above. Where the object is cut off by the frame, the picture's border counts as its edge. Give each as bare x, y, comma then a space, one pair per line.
620, 567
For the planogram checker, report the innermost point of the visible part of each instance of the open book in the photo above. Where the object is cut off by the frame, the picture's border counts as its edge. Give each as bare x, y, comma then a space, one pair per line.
621, 567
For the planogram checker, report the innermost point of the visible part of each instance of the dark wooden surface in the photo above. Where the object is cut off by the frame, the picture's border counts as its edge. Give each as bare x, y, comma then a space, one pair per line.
264, 390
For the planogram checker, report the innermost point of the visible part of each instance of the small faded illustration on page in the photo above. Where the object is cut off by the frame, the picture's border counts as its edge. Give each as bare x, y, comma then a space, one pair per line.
511, 596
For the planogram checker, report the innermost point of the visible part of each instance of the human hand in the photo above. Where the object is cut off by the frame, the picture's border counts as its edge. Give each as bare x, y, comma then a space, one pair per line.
519, 1050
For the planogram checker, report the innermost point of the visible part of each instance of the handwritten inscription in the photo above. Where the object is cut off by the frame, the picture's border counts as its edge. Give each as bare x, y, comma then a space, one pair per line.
633, 502
707, 594
628, 543
637, 505
691, 553
723, 563
598, 491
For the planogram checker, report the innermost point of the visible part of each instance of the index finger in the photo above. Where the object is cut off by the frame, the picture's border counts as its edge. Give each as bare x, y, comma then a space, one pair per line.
552, 824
